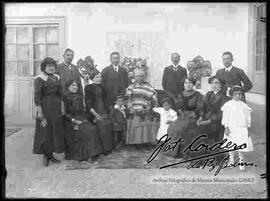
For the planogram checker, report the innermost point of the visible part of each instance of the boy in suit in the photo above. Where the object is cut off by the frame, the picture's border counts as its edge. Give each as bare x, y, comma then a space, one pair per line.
119, 122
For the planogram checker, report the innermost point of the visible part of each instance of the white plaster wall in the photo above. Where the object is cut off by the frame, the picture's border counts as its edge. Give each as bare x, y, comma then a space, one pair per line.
207, 29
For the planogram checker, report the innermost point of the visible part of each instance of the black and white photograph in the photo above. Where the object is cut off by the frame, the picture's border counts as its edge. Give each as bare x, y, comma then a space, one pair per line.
135, 100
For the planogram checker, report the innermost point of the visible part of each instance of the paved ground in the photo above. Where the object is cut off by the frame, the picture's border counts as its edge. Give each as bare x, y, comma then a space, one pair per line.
123, 174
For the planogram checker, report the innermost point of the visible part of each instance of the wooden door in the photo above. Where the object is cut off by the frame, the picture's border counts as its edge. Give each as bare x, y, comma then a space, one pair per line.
18, 73
25, 47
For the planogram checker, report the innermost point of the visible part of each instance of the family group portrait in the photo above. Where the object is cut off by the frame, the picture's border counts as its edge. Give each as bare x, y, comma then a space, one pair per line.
98, 112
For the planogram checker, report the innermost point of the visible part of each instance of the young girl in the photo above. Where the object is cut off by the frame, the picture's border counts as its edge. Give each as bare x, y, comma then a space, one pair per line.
167, 116
81, 136
236, 120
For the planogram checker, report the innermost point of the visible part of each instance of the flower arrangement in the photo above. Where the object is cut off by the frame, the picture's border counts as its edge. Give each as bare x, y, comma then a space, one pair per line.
86, 66
134, 63
199, 68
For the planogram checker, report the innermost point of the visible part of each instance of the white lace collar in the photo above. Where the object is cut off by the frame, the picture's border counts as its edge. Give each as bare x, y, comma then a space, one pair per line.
45, 76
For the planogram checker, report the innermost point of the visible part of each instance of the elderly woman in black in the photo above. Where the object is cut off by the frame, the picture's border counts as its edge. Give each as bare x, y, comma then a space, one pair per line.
97, 111
210, 113
81, 135
188, 109
48, 100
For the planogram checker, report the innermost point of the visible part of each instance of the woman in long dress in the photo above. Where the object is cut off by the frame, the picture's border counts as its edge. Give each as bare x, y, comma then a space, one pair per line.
142, 124
98, 111
82, 136
188, 106
48, 100
209, 122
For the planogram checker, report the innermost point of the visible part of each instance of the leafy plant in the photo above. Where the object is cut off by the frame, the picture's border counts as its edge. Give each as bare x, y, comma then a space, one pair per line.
134, 63
198, 68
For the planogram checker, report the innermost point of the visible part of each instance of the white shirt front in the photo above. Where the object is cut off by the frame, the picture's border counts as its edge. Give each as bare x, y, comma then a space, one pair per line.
68, 65
175, 67
228, 68
116, 68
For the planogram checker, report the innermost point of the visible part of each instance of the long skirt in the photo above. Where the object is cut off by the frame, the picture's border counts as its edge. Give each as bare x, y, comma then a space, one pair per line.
177, 130
105, 134
84, 143
141, 130
214, 133
49, 139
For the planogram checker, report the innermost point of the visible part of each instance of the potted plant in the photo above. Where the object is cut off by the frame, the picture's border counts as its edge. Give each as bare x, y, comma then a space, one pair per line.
134, 63
199, 69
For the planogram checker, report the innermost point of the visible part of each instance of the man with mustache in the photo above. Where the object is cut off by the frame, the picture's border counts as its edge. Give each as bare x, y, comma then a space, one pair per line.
173, 77
68, 71
233, 75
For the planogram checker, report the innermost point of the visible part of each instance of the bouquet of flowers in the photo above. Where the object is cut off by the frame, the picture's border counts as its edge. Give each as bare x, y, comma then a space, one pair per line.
199, 68
89, 63
134, 63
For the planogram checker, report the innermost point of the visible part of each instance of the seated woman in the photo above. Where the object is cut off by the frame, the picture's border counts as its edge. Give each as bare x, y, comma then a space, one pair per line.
98, 111
188, 107
142, 124
209, 122
81, 135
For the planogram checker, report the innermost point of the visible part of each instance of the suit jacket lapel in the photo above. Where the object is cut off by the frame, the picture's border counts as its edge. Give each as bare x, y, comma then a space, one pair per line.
113, 71
233, 69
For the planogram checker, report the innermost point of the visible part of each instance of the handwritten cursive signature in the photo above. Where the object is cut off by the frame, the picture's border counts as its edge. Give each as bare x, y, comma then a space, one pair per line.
166, 145
212, 163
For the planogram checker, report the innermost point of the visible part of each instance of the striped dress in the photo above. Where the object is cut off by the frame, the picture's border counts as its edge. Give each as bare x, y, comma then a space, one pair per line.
142, 126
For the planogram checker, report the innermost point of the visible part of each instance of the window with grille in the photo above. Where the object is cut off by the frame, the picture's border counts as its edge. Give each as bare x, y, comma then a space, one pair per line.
260, 35
27, 45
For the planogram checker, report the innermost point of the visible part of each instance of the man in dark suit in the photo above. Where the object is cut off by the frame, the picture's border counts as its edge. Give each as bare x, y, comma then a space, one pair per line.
114, 79
174, 77
233, 75
68, 71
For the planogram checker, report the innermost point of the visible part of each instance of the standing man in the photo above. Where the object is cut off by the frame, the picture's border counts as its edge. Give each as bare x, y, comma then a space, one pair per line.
233, 75
68, 71
114, 79
174, 77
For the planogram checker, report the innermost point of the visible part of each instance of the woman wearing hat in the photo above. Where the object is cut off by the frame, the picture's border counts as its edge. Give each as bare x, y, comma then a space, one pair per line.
141, 98
98, 111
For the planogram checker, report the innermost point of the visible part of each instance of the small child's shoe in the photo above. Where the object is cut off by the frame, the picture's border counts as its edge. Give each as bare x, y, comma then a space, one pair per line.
242, 166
